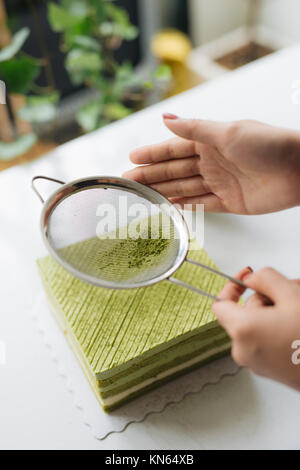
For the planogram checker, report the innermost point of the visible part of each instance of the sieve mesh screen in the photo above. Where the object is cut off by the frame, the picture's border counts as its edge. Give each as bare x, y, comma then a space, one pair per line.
114, 236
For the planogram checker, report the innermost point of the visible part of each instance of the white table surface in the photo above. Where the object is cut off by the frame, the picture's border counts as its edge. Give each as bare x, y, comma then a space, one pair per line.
36, 410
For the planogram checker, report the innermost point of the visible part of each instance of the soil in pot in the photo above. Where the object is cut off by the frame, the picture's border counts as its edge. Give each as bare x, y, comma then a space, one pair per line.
244, 55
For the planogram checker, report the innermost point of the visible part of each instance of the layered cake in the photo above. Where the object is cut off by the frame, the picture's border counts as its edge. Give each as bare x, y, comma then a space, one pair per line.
130, 341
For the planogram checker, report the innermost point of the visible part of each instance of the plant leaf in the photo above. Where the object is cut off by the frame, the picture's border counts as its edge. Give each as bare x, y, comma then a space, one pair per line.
82, 28
16, 44
116, 111
76, 7
88, 116
126, 78
10, 150
79, 60
61, 19
43, 99
120, 25
118, 14
86, 42
148, 85
99, 11
163, 72
39, 108
128, 32
19, 74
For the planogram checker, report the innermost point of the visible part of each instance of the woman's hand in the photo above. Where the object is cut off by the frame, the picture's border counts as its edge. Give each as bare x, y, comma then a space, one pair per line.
265, 338
243, 167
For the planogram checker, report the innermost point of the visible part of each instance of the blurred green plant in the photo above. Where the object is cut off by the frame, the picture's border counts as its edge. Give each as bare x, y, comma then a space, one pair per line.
19, 71
92, 30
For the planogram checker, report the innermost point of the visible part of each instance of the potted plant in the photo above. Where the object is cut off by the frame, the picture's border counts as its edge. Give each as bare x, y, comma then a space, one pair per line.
221, 52
91, 31
22, 109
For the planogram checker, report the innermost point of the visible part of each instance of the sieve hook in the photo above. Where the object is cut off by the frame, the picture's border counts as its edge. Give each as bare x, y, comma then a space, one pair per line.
43, 178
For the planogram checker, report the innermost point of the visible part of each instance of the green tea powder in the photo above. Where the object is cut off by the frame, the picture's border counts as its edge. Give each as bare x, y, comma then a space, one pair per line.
143, 252
138, 257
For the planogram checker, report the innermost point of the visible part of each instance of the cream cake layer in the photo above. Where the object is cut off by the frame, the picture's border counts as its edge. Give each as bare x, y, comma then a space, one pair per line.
173, 365
115, 401
185, 348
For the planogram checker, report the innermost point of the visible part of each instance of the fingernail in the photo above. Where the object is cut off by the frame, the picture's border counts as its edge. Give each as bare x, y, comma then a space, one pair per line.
249, 274
170, 116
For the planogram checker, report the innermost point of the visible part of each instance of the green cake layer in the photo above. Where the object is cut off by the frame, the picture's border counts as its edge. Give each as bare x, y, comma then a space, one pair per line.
130, 341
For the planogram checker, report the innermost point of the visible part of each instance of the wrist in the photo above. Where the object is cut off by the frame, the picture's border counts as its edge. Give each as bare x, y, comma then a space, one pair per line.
293, 154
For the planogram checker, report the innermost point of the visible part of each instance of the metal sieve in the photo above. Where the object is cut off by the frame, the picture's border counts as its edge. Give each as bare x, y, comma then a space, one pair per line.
74, 215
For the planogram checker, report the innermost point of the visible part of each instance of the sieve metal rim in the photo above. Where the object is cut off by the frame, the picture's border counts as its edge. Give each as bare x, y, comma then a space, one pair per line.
82, 184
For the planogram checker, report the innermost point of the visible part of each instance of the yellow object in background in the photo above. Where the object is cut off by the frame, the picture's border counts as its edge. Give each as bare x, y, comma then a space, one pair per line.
173, 47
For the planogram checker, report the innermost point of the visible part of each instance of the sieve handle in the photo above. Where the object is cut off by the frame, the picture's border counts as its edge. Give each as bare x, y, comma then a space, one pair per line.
173, 280
226, 276
42, 178
219, 273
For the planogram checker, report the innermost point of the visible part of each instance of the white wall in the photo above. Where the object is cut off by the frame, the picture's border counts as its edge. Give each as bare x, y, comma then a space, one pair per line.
282, 16
212, 18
